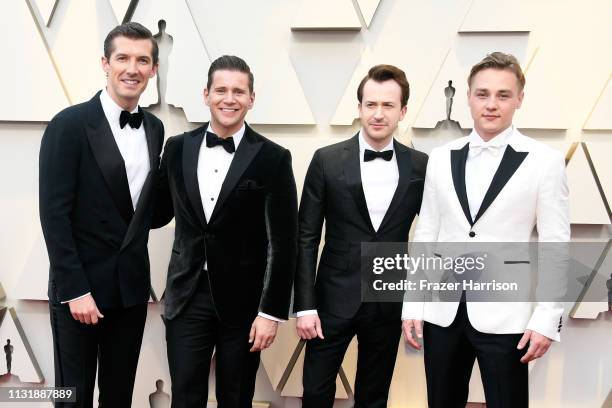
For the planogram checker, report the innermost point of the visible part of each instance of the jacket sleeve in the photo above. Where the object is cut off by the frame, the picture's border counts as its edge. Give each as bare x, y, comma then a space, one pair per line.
281, 228
60, 155
311, 216
553, 227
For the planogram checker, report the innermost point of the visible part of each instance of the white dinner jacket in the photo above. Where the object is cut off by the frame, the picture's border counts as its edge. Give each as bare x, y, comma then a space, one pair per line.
528, 190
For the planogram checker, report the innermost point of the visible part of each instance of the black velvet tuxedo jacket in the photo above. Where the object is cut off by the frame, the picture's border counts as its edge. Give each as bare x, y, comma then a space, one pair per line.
333, 192
95, 239
250, 240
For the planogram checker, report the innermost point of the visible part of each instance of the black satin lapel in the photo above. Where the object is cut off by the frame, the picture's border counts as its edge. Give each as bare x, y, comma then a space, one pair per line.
108, 157
246, 151
509, 164
191, 151
352, 172
151, 143
458, 159
404, 165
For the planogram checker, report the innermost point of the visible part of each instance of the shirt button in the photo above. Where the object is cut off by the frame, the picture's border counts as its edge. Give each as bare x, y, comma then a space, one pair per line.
216, 171
212, 199
472, 234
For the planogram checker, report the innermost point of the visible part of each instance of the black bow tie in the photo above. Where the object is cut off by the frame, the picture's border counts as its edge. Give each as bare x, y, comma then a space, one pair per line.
370, 155
227, 143
134, 119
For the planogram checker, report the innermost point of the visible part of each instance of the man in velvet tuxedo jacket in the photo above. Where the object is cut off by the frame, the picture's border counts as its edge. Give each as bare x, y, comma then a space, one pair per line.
366, 189
495, 185
98, 165
233, 197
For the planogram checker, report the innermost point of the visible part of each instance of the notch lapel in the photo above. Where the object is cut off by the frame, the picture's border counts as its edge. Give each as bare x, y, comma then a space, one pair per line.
458, 159
191, 151
107, 155
245, 153
509, 164
352, 173
404, 166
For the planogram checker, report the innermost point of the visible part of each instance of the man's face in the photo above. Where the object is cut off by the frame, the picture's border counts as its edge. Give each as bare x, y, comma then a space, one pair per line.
493, 97
380, 110
229, 100
128, 70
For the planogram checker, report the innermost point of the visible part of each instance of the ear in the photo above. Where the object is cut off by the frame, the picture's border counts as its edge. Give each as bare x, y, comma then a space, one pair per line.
520, 99
251, 100
105, 64
154, 70
403, 112
205, 94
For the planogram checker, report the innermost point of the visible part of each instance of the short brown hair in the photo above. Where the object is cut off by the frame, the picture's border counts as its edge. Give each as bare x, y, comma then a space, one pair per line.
133, 31
501, 61
229, 63
382, 73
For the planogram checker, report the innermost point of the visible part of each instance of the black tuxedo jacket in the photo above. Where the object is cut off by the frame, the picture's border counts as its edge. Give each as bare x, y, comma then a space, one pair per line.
333, 192
95, 240
250, 240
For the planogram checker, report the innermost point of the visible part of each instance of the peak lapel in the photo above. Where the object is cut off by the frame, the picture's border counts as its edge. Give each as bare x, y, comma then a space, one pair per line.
147, 187
191, 151
245, 152
509, 164
107, 155
352, 172
404, 166
458, 159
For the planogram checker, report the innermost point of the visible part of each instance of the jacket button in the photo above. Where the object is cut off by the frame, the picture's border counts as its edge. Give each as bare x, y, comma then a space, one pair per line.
472, 234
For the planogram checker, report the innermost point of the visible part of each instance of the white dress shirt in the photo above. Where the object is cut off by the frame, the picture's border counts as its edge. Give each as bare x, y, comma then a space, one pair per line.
379, 180
132, 144
482, 163
213, 165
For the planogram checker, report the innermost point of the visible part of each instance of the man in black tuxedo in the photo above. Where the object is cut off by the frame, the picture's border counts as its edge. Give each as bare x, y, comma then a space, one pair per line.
367, 189
98, 164
234, 200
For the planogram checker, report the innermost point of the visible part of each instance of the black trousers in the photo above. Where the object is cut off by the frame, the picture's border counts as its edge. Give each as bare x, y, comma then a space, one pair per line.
112, 346
449, 358
378, 340
191, 338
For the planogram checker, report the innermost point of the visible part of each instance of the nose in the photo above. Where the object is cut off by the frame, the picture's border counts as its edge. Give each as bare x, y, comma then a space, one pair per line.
378, 113
491, 103
132, 66
229, 98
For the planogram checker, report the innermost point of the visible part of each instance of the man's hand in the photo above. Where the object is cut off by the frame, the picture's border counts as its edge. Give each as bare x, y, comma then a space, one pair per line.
538, 345
263, 332
309, 326
85, 310
407, 326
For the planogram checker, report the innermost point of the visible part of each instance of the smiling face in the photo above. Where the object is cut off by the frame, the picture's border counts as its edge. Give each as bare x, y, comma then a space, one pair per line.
493, 96
229, 100
128, 70
380, 111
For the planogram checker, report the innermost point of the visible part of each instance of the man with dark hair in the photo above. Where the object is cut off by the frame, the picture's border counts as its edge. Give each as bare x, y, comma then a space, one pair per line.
233, 197
494, 185
366, 189
98, 164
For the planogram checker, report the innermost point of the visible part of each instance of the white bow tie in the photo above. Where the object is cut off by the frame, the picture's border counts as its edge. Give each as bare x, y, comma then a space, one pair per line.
479, 148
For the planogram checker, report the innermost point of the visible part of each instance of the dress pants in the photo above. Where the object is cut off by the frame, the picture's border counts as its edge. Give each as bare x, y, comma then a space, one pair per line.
112, 345
449, 358
191, 338
378, 340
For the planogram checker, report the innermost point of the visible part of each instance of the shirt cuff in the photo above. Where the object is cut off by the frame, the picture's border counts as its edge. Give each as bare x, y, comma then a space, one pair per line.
267, 316
76, 298
306, 312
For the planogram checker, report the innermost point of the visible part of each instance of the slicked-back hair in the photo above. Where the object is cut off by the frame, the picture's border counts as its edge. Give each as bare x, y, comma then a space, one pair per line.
501, 61
382, 73
229, 63
134, 31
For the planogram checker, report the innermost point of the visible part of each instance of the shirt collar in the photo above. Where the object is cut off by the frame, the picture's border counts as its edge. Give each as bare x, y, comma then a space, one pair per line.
498, 141
236, 136
112, 111
363, 144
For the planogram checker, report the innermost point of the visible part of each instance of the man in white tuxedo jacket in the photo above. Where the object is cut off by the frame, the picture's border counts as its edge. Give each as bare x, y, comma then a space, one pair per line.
494, 185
